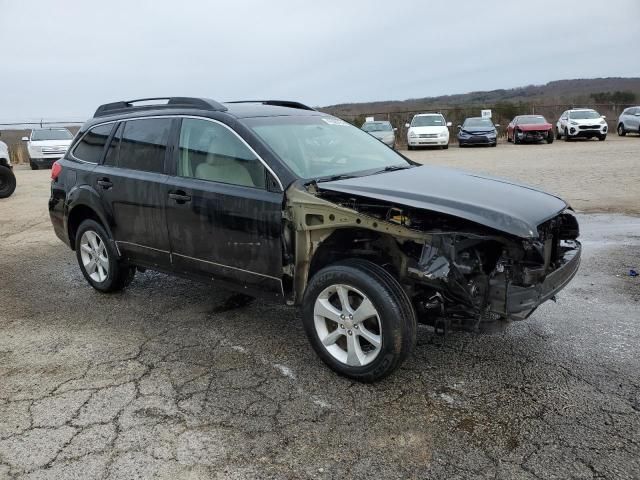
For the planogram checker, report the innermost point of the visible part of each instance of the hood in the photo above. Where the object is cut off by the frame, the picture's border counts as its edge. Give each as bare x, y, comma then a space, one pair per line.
50, 143
483, 130
431, 129
527, 127
587, 121
493, 202
381, 135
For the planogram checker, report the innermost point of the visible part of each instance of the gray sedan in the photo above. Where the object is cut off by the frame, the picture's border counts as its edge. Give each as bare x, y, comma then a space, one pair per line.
383, 131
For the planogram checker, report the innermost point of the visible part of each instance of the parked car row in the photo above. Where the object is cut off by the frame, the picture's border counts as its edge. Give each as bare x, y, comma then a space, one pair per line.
432, 130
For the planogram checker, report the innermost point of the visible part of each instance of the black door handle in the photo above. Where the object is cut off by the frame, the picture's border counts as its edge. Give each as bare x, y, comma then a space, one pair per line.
179, 196
105, 183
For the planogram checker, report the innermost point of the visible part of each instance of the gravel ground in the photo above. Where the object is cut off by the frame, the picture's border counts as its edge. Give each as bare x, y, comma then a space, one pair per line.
169, 379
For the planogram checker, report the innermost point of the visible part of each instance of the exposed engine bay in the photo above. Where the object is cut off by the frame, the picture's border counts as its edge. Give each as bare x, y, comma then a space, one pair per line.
456, 272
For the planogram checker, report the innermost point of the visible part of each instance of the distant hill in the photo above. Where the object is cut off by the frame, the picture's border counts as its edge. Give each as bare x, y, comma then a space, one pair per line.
575, 91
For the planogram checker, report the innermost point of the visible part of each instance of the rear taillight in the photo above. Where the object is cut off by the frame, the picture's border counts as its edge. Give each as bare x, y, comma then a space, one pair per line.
56, 168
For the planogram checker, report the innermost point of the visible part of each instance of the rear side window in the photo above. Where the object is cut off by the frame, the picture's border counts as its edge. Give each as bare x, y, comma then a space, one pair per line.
143, 144
91, 147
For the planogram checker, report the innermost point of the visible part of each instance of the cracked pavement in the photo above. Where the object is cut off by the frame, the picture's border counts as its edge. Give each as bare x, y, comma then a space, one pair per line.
170, 379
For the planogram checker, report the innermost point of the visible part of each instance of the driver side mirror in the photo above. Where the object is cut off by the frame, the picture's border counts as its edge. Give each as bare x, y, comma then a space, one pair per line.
497, 125
449, 124
25, 139
406, 125
395, 129
459, 127
603, 116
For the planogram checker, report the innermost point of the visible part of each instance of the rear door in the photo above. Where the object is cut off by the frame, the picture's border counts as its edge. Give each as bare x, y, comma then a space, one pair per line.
131, 182
223, 219
631, 120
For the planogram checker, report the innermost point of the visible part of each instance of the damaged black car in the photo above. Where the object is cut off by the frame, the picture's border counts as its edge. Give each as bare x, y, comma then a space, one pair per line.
275, 199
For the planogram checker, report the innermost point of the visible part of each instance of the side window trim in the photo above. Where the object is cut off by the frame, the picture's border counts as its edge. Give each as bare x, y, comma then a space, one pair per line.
114, 130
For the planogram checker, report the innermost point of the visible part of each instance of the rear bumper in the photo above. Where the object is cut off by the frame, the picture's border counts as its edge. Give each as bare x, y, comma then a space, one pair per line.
519, 302
44, 161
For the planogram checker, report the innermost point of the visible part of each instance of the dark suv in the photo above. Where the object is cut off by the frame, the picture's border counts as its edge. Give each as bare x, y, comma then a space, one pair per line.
276, 199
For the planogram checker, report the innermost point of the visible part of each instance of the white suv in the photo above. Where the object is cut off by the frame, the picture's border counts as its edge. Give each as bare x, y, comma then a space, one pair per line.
428, 130
46, 145
581, 123
629, 121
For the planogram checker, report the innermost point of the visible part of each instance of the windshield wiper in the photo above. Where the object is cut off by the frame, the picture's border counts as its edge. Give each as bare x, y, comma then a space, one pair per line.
331, 178
393, 168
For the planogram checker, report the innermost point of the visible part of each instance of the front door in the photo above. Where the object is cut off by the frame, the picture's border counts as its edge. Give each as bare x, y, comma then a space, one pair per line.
223, 221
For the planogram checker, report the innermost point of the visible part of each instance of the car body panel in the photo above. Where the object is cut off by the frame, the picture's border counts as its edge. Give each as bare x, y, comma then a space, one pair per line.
480, 199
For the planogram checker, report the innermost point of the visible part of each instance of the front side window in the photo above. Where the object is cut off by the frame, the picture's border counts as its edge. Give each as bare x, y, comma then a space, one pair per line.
321, 146
143, 144
91, 147
210, 151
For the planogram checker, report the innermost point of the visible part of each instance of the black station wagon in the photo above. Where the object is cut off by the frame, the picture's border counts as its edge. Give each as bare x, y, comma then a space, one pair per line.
276, 199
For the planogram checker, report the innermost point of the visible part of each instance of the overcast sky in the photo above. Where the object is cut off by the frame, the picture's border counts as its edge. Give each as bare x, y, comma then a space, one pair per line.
60, 59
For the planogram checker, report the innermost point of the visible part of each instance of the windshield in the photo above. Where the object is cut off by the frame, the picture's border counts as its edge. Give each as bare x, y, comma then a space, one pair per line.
323, 146
377, 127
478, 122
53, 134
427, 121
531, 119
584, 114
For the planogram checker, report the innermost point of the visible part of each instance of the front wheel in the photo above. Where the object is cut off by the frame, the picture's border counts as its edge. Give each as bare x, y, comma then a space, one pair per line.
33, 166
7, 182
621, 130
445, 147
98, 259
558, 134
566, 135
602, 138
549, 136
515, 138
359, 320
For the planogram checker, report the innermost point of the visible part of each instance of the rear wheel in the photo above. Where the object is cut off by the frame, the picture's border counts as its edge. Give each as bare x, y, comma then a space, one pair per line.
621, 130
7, 182
359, 320
98, 259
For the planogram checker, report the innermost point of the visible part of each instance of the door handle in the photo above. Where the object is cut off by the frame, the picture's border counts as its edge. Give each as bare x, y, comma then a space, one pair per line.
179, 196
105, 183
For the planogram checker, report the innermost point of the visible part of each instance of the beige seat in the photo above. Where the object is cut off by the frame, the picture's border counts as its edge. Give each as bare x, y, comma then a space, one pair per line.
224, 169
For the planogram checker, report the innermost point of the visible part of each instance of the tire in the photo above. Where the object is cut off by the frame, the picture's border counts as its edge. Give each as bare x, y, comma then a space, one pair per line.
602, 138
7, 182
109, 274
393, 323
558, 134
621, 130
566, 136
515, 138
508, 139
409, 147
33, 166
495, 144
445, 147
550, 137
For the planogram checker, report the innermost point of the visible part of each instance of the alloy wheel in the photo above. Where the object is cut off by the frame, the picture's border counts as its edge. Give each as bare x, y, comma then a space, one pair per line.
348, 325
95, 258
